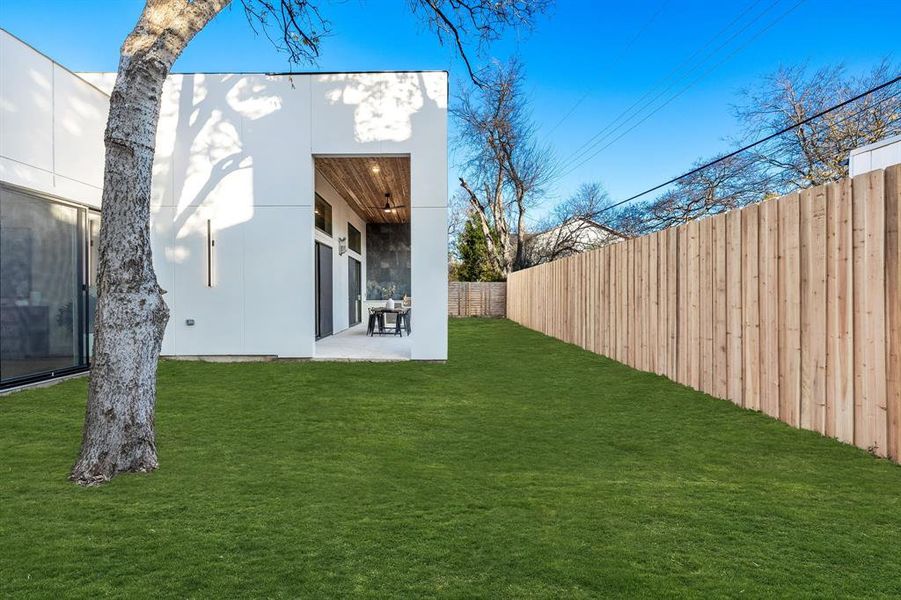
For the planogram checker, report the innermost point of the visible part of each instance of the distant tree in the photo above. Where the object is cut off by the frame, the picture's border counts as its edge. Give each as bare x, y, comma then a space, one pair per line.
729, 184
131, 314
458, 210
816, 152
505, 166
577, 224
475, 263
590, 201
811, 154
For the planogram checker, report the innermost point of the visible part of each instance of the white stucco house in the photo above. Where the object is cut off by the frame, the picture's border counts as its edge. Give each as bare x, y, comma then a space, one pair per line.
283, 206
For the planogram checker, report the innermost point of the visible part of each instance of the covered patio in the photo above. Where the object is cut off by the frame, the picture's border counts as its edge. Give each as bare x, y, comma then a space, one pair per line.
363, 264
353, 344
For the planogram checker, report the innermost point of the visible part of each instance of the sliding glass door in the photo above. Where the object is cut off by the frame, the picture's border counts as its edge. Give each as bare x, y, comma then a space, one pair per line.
93, 260
354, 291
44, 306
323, 273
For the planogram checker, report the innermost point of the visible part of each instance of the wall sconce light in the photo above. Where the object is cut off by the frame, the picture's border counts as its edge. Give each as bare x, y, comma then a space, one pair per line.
210, 245
342, 246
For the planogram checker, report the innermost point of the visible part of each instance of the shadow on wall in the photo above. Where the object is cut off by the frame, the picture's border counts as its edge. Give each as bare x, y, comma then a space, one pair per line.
384, 103
199, 147
229, 142
51, 122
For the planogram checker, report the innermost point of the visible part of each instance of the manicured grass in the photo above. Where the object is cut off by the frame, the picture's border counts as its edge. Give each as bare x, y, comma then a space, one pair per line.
522, 468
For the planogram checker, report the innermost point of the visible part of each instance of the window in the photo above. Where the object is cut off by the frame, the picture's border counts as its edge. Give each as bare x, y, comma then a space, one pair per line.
354, 239
323, 215
47, 291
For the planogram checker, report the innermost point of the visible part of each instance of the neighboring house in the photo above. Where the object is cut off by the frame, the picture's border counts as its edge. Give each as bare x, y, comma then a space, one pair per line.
879, 155
269, 219
571, 237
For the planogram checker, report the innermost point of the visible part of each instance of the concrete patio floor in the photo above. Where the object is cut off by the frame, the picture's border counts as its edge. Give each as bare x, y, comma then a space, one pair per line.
353, 344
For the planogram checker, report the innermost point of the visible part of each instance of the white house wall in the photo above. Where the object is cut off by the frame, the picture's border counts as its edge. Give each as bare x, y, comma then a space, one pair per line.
342, 214
52, 125
237, 150
880, 155
399, 113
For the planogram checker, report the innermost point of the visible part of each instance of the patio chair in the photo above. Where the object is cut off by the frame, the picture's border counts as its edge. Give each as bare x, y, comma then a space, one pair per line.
390, 321
373, 322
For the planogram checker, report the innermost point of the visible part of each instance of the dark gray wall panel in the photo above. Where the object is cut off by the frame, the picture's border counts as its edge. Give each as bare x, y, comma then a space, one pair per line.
387, 260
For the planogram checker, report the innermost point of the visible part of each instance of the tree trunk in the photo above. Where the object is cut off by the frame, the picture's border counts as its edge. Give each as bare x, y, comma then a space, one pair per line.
496, 237
131, 314
520, 257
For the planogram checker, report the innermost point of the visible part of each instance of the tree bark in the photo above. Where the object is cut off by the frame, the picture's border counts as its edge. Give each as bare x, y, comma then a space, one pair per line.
131, 314
496, 236
519, 260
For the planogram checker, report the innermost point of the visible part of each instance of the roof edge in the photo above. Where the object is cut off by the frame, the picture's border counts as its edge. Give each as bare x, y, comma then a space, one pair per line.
53, 60
894, 139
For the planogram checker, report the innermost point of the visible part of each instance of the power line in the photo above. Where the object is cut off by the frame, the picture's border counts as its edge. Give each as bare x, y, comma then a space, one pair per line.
619, 55
774, 176
779, 174
615, 123
677, 94
584, 157
761, 141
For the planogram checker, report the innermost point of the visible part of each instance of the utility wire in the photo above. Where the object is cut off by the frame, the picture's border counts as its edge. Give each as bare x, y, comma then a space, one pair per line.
779, 174
761, 141
619, 55
770, 178
628, 112
585, 159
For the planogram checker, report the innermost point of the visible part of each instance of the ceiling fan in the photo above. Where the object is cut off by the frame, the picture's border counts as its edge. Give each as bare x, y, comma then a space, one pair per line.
388, 207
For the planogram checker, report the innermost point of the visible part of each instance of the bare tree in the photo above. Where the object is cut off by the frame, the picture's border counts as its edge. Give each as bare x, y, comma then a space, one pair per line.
481, 21
505, 166
726, 185
458, 210
131, 314
810, 154
576, 225
817, 152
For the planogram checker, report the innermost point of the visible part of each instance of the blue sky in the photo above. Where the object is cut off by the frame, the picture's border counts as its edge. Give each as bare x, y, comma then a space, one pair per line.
588, 60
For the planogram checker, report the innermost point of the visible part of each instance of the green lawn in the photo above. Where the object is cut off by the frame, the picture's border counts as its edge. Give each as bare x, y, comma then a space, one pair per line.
522, 468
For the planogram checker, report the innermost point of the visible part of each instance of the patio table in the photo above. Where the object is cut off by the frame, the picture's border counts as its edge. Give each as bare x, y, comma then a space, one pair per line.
377, 317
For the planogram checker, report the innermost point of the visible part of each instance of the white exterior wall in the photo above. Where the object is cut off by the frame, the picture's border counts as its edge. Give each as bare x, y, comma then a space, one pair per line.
880, 155
237, 150
399, 113
51, 126
342, 214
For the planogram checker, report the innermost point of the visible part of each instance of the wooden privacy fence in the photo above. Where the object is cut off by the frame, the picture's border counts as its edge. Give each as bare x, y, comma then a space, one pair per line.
791, 307
476, 298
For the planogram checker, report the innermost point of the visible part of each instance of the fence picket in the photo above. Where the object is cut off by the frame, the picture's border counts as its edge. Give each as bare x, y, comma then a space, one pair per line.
789, 310
813, 308
769, 308
750, 308
893, 310
734, 307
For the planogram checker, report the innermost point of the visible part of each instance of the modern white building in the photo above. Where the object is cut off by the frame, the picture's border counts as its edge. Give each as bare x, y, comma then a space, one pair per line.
284, 205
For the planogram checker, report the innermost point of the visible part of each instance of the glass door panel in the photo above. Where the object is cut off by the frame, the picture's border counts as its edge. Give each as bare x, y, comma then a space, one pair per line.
93, 235
40, 286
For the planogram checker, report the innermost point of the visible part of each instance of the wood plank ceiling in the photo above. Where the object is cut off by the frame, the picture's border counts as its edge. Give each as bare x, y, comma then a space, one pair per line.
363, 181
